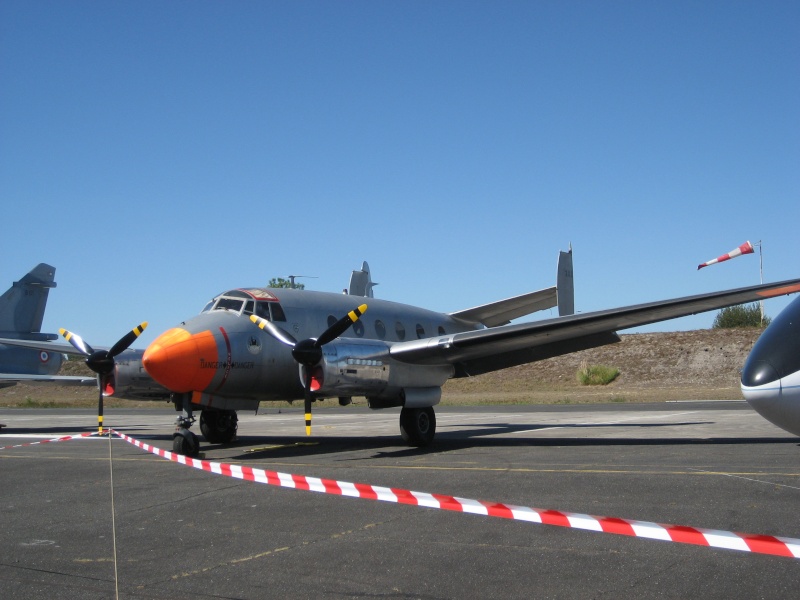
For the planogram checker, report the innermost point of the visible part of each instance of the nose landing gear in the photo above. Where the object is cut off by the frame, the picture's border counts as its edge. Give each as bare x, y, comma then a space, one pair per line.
217, 426
184, 441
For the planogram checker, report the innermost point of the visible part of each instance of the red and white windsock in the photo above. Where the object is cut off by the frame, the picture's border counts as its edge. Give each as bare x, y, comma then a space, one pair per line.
746, 248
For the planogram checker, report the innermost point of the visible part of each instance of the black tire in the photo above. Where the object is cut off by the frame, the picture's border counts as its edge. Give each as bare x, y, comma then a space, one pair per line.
187, 445
418, 425
219, 426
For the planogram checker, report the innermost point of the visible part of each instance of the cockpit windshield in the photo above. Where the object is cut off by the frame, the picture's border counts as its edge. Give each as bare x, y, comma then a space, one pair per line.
248, 303
234, 304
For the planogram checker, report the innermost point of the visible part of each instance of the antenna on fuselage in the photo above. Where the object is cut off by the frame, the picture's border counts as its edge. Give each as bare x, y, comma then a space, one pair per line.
293, 277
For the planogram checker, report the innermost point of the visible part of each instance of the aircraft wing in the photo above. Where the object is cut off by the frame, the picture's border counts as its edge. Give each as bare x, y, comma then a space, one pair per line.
62, 379
46, 346
484, 350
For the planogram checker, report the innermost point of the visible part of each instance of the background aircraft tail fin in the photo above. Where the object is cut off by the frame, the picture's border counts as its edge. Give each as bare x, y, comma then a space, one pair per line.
565, 284
361, 283
22, 305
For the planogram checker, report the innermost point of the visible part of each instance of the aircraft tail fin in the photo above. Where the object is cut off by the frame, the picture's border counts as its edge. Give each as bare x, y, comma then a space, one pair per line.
565, 284
22, 305
361, 283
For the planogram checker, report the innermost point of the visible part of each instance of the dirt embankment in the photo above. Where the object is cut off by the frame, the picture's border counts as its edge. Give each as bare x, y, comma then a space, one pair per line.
683, 365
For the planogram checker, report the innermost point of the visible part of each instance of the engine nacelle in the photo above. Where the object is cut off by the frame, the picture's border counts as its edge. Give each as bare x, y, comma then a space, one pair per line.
129, 380
366, 368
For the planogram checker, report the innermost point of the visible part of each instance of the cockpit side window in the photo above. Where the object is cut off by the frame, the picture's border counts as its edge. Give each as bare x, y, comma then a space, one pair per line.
263, 310
248, 307
207, 307
277, 312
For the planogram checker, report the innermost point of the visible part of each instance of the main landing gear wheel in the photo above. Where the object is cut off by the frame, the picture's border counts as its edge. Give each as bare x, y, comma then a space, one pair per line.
218, 426
185, 442
418, 425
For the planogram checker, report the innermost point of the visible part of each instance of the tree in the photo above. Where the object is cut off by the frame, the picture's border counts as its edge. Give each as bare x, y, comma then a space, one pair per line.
742, 315
280, 282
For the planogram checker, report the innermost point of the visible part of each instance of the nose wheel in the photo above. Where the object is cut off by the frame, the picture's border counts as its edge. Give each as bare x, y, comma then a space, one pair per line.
185, 442
418, 425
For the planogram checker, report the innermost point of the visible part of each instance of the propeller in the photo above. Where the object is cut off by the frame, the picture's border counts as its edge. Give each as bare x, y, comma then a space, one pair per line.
309, 352
102, 361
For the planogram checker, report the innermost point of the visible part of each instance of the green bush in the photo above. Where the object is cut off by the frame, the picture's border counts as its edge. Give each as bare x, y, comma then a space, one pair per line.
741, 315
596, 374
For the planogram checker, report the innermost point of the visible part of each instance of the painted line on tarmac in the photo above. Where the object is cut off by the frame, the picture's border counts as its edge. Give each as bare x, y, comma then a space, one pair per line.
601, 423
740, 476
56, 439
744, 542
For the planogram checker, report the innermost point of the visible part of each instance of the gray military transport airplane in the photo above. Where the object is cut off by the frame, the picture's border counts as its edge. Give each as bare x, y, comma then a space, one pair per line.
397, 356
250, 345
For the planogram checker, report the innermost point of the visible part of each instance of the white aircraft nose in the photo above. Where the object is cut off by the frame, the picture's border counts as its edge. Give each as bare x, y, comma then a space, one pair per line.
777, 401
771, 375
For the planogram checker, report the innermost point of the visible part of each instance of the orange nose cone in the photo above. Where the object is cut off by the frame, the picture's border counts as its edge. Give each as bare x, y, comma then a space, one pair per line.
182, 361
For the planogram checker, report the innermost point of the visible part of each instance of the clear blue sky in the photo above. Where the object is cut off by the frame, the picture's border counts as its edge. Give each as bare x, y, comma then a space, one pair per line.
158, 153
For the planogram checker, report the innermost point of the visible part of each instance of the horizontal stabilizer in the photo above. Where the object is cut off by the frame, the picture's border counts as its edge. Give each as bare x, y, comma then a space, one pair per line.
503, 312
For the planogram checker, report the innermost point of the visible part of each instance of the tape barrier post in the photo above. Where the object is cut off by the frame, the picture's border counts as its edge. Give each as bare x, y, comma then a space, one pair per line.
744, 542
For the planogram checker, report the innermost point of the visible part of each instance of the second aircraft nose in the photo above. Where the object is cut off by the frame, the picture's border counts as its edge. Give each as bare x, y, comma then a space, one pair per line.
758, 372
776, 353
179, 360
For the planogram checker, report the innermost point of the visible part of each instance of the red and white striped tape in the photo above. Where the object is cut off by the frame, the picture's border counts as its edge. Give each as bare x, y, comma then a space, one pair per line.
744, 542
58, 439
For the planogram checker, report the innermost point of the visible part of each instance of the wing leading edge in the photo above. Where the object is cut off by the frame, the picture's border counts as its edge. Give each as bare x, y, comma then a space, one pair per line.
481, 351
62, 379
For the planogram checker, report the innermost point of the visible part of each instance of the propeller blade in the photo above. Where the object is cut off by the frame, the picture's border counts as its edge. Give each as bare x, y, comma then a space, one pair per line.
341, 326
127, 340
102, 361
76, 341
308, 352
275, 331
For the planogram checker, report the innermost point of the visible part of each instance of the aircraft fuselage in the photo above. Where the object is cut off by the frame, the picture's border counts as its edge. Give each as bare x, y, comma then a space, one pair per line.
28, 361
225, 361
